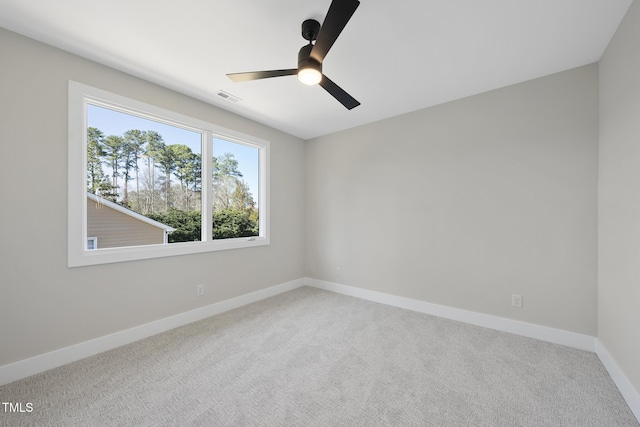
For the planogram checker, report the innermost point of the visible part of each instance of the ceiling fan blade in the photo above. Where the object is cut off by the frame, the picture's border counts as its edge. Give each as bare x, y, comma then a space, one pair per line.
256, 75
338, 16
338, 93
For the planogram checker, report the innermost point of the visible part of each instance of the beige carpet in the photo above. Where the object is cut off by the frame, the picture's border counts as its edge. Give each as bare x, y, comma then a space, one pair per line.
315, 358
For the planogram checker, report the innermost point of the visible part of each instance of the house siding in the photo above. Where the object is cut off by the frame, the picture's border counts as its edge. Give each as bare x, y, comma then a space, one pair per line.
116, 229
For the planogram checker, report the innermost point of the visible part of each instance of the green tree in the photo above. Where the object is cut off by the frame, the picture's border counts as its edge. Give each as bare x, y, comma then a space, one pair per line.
242, 201
231, 223
186, 224
225, 180
135, 141
195, 180
225, 165
184, 167
166, 159
97, 182
155, 145
112, 148
241, 198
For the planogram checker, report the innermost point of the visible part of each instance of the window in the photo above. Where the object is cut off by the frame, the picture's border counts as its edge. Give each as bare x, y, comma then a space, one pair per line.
138, 182
234, 183
92, 243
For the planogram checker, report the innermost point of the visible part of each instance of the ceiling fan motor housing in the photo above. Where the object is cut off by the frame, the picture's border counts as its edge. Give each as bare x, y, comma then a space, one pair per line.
306, 61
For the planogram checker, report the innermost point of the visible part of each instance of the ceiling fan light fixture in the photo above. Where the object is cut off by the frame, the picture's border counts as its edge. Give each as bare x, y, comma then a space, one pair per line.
309, 70
309, 76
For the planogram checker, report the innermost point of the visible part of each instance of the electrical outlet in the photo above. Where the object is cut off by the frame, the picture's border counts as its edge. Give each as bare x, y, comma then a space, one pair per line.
339, 271
516, 301
199, 290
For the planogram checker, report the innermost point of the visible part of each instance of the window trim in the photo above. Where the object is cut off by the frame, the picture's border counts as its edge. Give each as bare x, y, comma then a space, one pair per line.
78, 255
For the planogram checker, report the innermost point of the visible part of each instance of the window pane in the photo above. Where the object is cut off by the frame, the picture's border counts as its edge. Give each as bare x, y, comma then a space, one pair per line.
143, 180
236, 188
91, 243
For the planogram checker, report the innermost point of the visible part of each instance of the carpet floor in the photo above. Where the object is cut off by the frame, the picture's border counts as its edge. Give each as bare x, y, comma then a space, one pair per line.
315, 358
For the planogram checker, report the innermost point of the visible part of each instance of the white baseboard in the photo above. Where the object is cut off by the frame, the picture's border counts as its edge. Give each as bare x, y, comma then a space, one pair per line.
629, 393
25, 368
543, 333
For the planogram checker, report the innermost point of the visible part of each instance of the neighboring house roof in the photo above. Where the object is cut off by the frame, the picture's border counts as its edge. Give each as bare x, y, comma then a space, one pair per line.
139, 217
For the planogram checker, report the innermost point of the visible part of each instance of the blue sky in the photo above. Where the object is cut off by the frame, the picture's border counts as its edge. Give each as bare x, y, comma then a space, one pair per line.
112, 122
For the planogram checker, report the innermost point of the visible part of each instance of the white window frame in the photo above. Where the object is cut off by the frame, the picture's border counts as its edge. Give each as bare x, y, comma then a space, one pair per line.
78, 255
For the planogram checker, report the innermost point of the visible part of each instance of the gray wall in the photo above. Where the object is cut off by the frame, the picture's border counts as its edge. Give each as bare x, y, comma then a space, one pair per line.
619, 198
46, 306
466, 203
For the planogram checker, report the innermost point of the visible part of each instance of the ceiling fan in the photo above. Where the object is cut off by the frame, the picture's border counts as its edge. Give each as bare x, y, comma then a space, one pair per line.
310, 57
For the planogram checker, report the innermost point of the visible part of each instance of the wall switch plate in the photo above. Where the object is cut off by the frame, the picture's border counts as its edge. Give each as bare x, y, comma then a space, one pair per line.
516, 301
199, 290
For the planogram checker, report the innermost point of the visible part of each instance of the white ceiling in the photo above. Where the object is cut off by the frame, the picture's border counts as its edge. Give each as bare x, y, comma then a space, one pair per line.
394, 56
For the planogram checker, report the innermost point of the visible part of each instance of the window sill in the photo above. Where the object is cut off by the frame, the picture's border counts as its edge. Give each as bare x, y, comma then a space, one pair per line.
133, 253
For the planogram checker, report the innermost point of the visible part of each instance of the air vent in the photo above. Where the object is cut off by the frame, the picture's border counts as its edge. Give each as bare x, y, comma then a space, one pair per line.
228, 96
